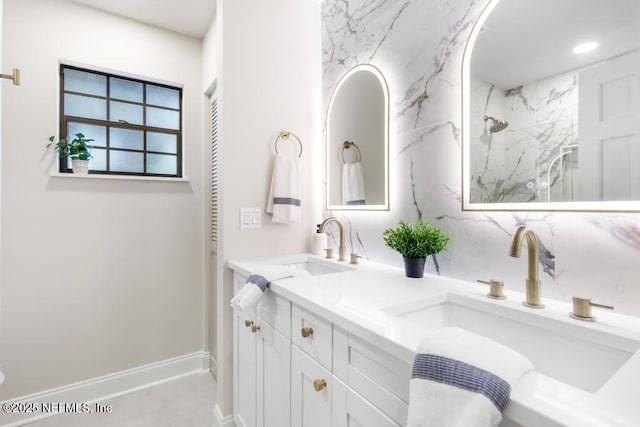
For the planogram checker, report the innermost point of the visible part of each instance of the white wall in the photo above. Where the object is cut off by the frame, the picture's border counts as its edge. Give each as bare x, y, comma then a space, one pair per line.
268, 81
98, 276
209, 54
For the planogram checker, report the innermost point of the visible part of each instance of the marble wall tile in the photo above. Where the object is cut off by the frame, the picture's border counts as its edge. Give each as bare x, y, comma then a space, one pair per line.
418, 45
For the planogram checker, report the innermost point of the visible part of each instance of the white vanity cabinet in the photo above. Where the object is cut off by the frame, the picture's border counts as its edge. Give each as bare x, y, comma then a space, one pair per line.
312, 382
362, 385
293, 368
262, 363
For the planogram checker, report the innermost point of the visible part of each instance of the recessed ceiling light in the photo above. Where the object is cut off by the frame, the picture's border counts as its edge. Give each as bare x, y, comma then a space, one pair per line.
585, 47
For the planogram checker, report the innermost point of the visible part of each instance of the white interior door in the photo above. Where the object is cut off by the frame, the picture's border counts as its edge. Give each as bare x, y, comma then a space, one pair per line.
609, 130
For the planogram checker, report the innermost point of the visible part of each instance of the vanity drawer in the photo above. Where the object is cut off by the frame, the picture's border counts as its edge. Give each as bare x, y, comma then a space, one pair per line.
377, 376
312, 334
276, 311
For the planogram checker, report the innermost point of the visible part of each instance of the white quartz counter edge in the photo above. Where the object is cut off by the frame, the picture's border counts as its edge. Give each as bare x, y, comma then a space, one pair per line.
359, 300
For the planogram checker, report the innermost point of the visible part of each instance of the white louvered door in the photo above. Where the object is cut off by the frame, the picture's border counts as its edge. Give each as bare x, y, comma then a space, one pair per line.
213, 232
214, 176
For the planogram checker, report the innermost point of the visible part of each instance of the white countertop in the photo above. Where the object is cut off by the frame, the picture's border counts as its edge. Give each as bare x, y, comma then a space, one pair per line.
359, 301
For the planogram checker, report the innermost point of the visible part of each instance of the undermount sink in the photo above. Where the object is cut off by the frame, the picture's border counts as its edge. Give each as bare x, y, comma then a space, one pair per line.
568, 352
317, 266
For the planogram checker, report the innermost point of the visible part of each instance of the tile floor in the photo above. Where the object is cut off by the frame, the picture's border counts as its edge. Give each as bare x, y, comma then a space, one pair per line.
184, 402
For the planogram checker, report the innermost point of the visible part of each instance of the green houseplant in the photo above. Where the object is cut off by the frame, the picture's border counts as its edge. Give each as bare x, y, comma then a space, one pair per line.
415, 242
77, 150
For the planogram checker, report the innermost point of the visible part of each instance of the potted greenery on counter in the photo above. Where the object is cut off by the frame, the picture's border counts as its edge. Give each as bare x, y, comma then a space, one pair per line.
415, 242
77, 150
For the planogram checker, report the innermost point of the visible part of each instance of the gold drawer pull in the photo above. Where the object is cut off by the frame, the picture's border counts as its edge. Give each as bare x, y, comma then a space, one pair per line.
248, 323
319, 384
255, 328
307, 332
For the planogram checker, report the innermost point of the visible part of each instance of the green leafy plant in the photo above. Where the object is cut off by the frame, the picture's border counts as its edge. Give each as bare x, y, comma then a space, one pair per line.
417, 240
76, 149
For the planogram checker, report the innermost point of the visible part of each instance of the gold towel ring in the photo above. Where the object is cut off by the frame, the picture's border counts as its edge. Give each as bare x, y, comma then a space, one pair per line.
285, 134
348, 144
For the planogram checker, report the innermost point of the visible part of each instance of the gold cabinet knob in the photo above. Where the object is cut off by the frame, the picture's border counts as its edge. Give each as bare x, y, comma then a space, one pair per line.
319, 384
248, 323
255, 328
306, 332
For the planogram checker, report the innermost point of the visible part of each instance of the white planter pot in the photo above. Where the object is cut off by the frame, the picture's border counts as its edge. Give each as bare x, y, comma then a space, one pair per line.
80, 167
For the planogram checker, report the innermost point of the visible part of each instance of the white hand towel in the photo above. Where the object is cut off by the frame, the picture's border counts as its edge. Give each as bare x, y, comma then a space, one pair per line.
284, 194
353, 184
462, 379
252, 291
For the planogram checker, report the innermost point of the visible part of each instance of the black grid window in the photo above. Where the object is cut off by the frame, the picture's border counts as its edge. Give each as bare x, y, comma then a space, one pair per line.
136, 125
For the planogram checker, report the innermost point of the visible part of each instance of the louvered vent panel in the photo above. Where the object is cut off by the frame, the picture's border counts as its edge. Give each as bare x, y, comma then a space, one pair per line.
214, 175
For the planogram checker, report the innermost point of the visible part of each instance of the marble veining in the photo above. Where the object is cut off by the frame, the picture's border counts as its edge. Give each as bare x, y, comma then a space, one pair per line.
418, 46
448, 46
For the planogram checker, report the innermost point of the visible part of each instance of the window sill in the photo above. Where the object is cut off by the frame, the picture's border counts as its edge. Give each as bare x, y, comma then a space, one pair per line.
119, 177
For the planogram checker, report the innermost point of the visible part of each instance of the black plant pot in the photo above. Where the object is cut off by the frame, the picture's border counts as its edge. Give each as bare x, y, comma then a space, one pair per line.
414, 267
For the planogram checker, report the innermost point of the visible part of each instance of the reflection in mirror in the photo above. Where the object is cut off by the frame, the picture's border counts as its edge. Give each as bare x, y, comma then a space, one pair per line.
357, 142
552, 105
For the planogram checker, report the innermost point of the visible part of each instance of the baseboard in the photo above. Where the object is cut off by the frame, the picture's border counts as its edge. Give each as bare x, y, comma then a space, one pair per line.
109, 386
221, 421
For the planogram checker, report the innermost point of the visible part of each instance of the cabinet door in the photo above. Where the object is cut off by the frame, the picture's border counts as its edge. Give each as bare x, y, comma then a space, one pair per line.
273, 378
372, 373
309, 407
244, 371
352, 410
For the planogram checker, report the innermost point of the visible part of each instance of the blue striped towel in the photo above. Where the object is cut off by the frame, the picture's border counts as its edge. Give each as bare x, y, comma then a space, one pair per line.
284, 194
462, 379
252, 291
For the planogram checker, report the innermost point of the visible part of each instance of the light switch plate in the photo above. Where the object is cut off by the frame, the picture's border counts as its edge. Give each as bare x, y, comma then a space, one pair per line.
250, 218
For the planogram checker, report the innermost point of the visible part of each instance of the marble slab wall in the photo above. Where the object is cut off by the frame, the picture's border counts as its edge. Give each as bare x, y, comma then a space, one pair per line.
418, 45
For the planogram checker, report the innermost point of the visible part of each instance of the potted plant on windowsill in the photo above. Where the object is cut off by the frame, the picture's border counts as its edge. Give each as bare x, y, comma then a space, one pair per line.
415, 242
77, 150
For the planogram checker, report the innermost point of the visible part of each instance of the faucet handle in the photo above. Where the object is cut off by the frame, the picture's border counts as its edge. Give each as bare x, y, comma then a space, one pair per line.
495, 288
582, 309
354, 258
329, 252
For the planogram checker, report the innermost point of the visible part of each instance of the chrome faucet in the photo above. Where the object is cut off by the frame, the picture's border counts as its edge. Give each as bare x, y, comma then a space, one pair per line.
534, 293
342, 249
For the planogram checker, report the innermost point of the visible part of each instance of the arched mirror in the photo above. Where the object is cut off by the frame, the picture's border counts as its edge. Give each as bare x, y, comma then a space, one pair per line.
357, 142
551, 106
